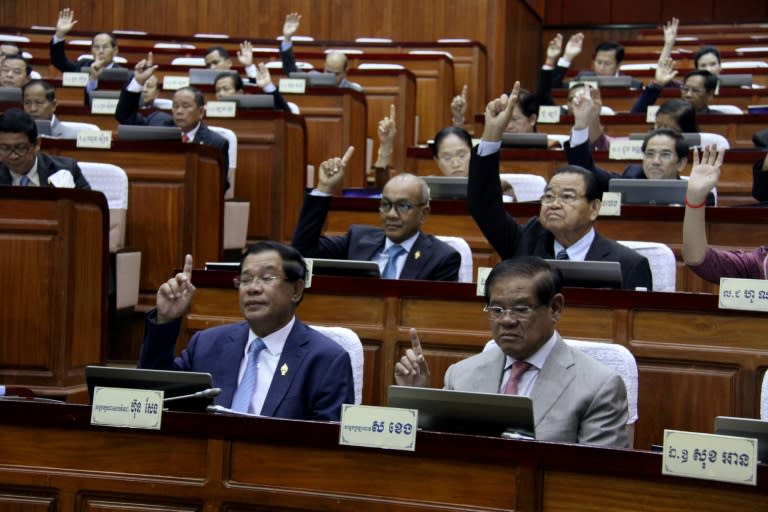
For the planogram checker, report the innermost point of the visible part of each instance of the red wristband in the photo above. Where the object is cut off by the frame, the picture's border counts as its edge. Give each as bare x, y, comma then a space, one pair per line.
689, 205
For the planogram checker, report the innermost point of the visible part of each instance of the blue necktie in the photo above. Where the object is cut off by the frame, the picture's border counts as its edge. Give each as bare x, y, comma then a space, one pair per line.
244, 393
25, 182
562, 255
390, 270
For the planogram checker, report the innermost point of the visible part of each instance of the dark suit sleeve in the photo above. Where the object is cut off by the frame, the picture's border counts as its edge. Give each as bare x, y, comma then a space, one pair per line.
648, 97
558, 75
280, 103
486, 205
127, 111
335, 387
289, 62
636, 272
159, 344
306, 237
581, 155
447, 269
59, 58
80, 181
759, 181
544, 87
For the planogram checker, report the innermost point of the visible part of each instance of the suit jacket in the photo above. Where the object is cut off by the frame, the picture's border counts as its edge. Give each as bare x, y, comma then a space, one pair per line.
575, 398
46, 167
62, 131
429, 258
318, 380
60, 61
759, 181
127, 112
289, 66
510, 239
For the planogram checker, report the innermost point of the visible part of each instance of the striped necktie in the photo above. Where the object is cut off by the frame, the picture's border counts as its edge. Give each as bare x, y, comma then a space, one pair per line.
390, 270
25, 182
562, 255
242, 400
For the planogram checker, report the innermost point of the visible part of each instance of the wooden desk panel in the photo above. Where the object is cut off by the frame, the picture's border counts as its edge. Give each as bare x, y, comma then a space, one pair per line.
215, 462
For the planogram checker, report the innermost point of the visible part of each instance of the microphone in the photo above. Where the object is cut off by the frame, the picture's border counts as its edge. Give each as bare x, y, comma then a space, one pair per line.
206, 393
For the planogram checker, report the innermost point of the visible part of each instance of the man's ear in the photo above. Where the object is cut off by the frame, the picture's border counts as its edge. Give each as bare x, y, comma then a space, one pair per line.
298, 291
556, 306
681, 164
594, 209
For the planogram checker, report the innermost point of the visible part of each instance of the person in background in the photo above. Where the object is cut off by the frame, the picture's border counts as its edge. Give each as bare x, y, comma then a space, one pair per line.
678, 115
707, 262
707, 58
15, 71
606, 61
39, 100
576, 399
229, 83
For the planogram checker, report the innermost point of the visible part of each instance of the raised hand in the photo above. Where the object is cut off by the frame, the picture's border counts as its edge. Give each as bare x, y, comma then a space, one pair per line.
574, 46
585, 108
670, 31
65, 22
665, 71
498, 112
554, 48
387, 128
332, 171
175, 295
245, 53
144, 69
412, 369
291, 25
97, 67
263, 78
705, 173
459, 106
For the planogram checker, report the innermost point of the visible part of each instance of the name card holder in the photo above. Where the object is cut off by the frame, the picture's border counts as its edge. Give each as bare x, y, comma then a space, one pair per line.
94, 139
292, 86
625, 150
389, 428
549, 114
710, 457
104, 106
482, 275
743, 294
174, 83
74, 79
610, 205
309, 262
650, 114
124, 407
221, 109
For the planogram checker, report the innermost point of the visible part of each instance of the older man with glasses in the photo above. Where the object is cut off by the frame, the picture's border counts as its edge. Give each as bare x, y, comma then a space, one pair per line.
399, 247
22, 163
564, 228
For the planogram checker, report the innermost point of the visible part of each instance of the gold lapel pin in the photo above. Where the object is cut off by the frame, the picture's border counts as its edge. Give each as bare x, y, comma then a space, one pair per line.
284, 369
417, 255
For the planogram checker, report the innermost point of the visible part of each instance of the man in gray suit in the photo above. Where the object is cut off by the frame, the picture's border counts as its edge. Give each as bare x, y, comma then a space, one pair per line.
39, 99
575, 398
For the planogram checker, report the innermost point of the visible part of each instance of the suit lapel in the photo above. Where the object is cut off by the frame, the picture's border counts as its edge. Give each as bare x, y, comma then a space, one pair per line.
417, 258
487, 377
228, 363
294, 351
5, 176
599, 249
369, 244
553, 379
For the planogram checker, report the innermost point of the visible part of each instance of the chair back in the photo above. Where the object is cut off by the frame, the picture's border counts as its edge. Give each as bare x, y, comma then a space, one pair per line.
232, 139
528, 187
466, 271
351, 343
662, 261
764, 397
188, 61
708, 138
80, 127
727, 109
111, 181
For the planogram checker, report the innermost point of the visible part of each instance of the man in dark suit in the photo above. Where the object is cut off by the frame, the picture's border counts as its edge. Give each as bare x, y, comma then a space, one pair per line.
188, 111
606, 61
271, 364
104, 50
22, 163
569, 208
400, 248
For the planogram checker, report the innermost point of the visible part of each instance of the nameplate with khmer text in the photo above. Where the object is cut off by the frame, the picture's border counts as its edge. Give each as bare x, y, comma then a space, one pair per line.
104, 106
378, 427
710, 457
74, 79
292, 85
94, 139
124, 407
743, 294
173, 83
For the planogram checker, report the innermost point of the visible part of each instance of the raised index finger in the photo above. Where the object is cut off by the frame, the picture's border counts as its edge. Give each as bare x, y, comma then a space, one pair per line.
188, 266
392, 113
348, 155
416, 343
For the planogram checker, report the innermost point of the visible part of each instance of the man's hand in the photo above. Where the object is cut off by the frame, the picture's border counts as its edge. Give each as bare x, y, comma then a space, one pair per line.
97, 67
412, 369
554, 48
585, 109
508, 190
245, 53
332, 172
459, 106
665, 71
175, 295
498, 112
65, 22
705, 173
290, 26
144, 69
670, 31
263, 78
573, 47
387, 128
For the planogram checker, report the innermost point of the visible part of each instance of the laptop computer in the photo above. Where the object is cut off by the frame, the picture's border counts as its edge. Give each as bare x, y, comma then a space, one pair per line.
347, 268
315, 78
643, 191
446, 187
109, 95
745, 427
172, 383
735, 80
252, 101
447, 410
204, 76
524, 140
136, 132
112, 74
589, 274
608, 81
10, 95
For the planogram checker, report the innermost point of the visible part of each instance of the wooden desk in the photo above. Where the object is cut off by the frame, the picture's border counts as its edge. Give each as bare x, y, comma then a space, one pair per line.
742, 228
684, 345
53, 277
53, 460
175, 201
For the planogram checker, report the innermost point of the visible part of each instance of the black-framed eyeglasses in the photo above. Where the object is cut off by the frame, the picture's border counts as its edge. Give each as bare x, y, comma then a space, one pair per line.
402, 206
245, 280
520, 311
19, 149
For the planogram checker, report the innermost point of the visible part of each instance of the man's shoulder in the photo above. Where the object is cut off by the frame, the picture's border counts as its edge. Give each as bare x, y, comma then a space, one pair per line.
210, 136
634, 172
616, 249
319, 342
56, 160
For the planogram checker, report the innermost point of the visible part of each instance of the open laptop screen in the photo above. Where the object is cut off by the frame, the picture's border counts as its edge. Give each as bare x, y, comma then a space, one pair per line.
446, 187
347, 268
589, 274
642, 191
745, 427
447, 410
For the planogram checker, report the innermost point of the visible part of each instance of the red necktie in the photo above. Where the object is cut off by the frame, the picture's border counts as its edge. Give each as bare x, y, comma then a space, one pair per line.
184, 137
515, 372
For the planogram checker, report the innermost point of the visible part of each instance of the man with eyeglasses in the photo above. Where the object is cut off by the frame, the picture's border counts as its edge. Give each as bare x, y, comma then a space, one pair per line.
399, 247
103, 47
271, 364
698, 88
39, 100
665, 152
22, 163
564, 228
575, 398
